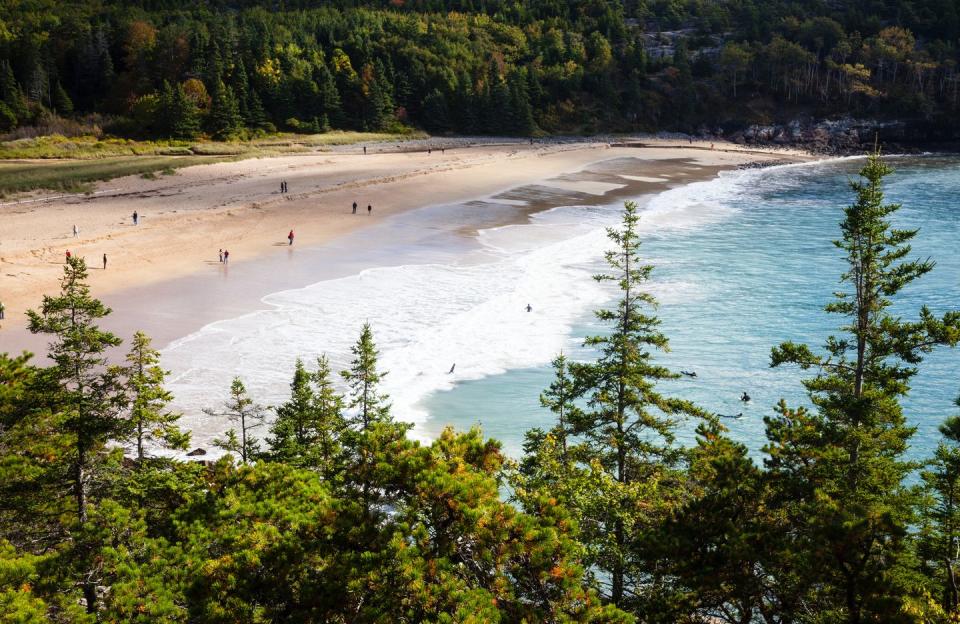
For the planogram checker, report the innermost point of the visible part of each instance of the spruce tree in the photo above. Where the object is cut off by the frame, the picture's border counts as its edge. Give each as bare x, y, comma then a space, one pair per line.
62, 103
940, 547
89, 395
241, 410
627, 428
150, 419
224, 121
364, 379
838, 470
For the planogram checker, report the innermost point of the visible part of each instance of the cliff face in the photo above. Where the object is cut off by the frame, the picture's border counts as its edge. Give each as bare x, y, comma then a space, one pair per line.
845, 135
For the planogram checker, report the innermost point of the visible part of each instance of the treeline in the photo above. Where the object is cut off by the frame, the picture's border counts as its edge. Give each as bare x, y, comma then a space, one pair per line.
334, 515
232, 68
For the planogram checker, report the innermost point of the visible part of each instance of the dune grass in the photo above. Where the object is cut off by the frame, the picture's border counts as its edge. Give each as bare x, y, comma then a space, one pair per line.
77, 176
74, 164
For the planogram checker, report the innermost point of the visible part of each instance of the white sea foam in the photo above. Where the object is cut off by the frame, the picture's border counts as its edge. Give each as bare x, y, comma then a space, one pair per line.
427, 317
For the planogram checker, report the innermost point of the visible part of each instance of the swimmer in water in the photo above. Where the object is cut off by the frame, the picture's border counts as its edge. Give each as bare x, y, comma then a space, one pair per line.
689, 373
745, 397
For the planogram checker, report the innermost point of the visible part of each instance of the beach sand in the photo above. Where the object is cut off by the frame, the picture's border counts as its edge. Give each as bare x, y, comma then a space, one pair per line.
172, 254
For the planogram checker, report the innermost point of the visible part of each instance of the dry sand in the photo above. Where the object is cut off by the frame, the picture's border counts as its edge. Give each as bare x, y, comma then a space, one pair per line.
185, 218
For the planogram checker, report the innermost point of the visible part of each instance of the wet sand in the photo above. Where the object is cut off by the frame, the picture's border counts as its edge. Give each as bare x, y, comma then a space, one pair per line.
164, 276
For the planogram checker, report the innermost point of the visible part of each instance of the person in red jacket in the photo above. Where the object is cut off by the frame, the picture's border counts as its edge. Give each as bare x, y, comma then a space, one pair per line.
290, 237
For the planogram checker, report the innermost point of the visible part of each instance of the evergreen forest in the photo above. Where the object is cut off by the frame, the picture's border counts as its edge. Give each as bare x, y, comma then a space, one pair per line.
228, 69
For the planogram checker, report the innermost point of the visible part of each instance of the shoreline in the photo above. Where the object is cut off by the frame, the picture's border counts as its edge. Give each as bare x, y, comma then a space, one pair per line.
180, 287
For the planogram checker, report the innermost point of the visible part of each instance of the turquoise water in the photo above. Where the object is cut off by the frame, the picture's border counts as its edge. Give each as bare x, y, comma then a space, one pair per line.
753, 269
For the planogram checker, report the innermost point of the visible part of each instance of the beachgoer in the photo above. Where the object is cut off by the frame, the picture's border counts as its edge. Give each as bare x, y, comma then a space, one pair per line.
135, 216
364, 150
290, 237
68, 254
529, 308
76, 231
711, 146
354, 207
221, 255
369, 209
104, 262
745, 397
450, 372
443, 150
429, 151
2, 310
226, 256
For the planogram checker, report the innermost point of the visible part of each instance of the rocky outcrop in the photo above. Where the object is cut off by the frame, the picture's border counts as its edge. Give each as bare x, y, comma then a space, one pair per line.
845, 135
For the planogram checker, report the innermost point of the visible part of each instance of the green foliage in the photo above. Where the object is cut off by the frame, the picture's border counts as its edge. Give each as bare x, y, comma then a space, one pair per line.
838, 470
150, 420
601, 65
241, 410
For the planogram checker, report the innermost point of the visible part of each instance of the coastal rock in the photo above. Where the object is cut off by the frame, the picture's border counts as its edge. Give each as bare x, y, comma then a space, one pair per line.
832, 136
197, 452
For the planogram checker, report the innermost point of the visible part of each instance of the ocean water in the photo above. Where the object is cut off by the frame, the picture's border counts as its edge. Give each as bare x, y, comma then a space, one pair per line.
743, 262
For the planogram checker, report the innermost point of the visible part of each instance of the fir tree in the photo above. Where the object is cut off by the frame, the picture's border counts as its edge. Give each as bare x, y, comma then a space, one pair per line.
240, 409
150, 419
839, 470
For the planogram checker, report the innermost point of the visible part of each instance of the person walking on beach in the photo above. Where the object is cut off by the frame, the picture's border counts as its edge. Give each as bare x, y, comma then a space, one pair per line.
226, 256
354, 207
290, 237
221, 255
369, 209
2, 310
104, 262
68, 255
76, 231
364, 150
135, 216
529, 308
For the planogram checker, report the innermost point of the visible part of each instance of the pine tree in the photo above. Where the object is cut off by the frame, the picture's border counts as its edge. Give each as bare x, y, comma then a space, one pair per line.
839, 470
150, 419
628, 426
330, 424
240, 409
89, 393
560, 398
256, 115
179, 116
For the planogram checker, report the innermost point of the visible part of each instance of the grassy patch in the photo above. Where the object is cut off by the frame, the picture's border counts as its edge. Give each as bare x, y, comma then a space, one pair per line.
73, 164
76, 176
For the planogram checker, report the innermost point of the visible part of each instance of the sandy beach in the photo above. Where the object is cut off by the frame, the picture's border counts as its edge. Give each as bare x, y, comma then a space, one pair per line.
184, 219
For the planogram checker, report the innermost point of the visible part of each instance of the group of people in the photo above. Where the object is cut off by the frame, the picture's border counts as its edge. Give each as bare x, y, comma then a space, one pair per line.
225, 255
283, 187
369, 208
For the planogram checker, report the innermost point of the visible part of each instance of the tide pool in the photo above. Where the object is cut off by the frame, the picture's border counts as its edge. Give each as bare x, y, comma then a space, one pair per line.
744, 262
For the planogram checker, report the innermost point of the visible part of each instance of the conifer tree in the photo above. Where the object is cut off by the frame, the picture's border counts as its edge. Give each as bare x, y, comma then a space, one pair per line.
627, 429
242, 410
224, 121
560, 398
150, 419
940, 545
89, 396
62, 103
839, 470
364, 379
